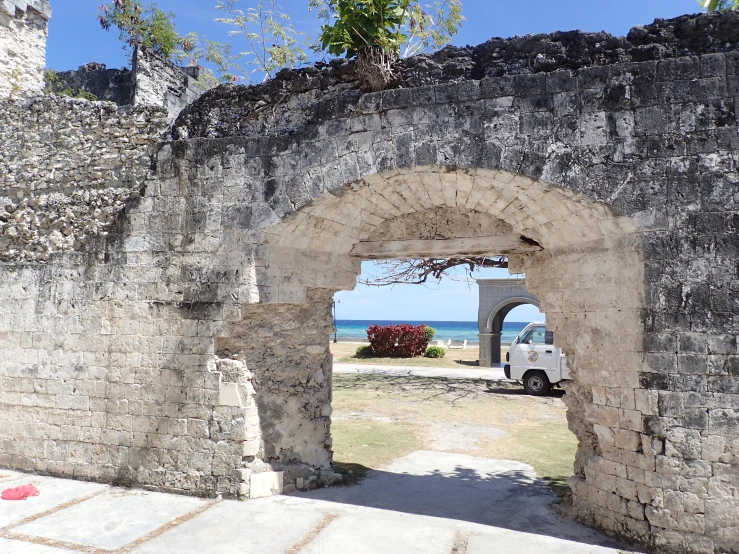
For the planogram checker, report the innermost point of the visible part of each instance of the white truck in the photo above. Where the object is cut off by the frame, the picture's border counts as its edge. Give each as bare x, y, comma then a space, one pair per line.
533, 360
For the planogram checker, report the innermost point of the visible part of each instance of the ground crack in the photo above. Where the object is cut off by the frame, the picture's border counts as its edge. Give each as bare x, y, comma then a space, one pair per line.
307, 539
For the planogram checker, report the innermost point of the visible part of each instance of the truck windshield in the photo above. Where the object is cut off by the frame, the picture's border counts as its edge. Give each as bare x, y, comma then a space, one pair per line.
535, 335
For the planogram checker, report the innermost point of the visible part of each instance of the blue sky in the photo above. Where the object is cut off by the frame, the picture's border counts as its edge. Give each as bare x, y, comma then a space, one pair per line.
450, 300
75, 38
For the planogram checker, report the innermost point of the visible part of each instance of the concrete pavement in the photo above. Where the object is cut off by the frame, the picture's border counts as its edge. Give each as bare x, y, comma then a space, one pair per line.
425, 503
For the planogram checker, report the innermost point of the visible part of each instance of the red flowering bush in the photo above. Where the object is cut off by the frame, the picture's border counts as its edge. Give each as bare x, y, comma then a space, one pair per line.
398, 341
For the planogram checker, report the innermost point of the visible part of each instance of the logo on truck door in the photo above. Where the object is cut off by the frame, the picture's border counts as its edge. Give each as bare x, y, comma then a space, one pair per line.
533, 356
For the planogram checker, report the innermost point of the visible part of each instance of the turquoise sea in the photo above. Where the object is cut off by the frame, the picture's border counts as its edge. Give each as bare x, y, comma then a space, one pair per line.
356, 329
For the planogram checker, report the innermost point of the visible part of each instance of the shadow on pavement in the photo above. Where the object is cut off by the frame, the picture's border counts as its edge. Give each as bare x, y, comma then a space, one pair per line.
497, 493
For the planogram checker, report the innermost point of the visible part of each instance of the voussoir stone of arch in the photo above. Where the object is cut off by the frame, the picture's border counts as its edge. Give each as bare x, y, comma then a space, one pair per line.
166, 296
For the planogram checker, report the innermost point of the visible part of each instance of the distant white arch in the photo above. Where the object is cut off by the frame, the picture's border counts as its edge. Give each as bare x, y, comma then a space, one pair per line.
497, 298
513, 303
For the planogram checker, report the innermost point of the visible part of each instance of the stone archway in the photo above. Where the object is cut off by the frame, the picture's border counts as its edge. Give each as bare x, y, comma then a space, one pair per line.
167, 293
497, 298
421, 211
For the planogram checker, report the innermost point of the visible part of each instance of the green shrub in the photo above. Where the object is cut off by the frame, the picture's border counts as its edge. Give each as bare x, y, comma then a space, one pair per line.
430, 333
435, 352
365, 351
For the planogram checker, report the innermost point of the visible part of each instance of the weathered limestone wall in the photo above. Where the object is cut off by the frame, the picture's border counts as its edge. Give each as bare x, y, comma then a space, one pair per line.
93, 346
153, 81
637, 137
23, 30
158, 82
67, 169
187, 348
107, 85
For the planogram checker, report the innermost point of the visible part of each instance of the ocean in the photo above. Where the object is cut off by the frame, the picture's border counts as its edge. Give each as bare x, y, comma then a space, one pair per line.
356, 329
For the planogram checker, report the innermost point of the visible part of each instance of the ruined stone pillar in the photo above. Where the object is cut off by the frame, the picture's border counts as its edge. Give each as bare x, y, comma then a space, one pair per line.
23, 32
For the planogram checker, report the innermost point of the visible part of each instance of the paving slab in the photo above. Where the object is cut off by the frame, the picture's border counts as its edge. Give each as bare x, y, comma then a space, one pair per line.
265, 526
495, 493
7, 475
112, 520
53, 492
8, 546
417, 504
372, 533
513, 542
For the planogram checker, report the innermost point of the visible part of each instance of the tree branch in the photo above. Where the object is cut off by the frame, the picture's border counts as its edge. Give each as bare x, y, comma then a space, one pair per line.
420, 271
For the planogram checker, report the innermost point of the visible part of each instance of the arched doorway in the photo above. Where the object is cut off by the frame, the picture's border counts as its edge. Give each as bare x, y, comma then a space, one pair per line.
412, 213
496, 324
497, 298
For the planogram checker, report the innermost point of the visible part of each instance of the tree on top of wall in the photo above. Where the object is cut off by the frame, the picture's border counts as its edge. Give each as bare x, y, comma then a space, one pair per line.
141, 25
272, 40
719, 5
378, 32
144, 24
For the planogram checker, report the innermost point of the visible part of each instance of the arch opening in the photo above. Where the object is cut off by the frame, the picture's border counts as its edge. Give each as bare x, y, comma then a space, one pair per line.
495, 325
582, 263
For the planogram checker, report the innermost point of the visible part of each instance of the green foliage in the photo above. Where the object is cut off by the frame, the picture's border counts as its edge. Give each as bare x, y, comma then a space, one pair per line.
141, 25
196, 49
362, 23
430, 333
51, 81
719, 5
272, 39
77, 93
399, 27
365, 351
54, 85
432, 26
435, 352
87, 95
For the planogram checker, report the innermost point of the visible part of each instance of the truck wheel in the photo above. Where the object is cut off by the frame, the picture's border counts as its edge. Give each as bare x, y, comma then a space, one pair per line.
536, 383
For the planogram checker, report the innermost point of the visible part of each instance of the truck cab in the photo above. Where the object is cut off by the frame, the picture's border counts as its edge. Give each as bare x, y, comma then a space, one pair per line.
533, 360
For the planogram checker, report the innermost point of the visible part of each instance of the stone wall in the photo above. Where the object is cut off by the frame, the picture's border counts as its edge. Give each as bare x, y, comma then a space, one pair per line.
68, 167
23, 29
185, 346
93, 345
651, 136
161, 83
153, 81
109, 85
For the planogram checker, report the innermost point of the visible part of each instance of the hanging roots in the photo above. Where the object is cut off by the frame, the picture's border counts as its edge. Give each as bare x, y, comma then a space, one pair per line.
375, 68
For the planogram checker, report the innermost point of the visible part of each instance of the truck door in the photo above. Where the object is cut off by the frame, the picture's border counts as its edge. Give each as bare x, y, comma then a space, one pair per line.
542, 355
537, 354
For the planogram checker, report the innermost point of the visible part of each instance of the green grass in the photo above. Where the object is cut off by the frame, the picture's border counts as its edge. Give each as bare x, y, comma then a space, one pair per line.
536, 427
363, 445
345, 353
